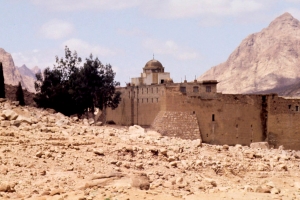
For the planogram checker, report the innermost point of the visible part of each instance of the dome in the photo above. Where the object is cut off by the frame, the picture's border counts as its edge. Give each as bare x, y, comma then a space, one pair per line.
153, 64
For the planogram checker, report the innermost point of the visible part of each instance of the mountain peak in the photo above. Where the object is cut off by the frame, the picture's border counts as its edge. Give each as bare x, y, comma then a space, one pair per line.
263, 61
285, 19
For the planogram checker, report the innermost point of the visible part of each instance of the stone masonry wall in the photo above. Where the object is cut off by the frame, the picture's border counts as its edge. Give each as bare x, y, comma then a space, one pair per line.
283, 122
177, 124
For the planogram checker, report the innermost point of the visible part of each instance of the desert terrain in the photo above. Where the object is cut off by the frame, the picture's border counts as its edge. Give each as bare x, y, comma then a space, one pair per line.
46, 155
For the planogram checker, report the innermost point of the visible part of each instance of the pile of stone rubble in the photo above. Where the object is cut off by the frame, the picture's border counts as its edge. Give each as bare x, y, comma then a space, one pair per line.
46, 155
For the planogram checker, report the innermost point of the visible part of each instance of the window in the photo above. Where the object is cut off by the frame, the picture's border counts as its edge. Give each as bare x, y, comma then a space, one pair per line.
142, 90
208, 88
183, 89
297, 108
195, 89
213, 117
129, 95
290, 106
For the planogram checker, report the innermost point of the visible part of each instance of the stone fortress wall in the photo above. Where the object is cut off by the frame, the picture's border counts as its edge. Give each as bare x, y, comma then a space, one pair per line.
193, 110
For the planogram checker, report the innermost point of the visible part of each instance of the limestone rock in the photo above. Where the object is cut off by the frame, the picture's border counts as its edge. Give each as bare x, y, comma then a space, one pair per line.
24, 119
259, 145
7, 187
5, 123
99, 152
62, 122
136, 130
9, 114
140, 181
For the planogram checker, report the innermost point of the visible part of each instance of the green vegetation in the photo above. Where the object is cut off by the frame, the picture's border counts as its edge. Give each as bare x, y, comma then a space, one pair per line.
2, 85
72, 89
20, 95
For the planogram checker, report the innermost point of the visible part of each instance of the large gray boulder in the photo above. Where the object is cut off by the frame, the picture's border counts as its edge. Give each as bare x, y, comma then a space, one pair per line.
259, 145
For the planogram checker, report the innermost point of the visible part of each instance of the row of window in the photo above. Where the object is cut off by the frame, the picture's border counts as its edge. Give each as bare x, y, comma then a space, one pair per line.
195, 89
145, 91
148, 100
296, 108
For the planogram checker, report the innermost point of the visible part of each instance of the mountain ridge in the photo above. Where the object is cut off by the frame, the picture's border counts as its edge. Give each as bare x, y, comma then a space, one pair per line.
263, 61
13, 75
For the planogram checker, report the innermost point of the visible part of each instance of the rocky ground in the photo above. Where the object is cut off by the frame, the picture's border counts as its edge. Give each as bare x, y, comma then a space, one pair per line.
45, 155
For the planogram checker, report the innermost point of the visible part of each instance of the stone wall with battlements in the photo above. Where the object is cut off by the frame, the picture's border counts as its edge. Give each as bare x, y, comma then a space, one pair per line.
221, 118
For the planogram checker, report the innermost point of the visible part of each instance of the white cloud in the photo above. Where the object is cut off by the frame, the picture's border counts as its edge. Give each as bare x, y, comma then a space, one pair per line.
169, 47
194, 8
56, 29
34, 58
85, 49
131, 32
161, 9
78, 5
293, 1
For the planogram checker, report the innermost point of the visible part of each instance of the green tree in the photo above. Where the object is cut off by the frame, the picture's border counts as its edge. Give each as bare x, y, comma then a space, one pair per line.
2, 85
20, 95
99, 87
53, 88
71, 89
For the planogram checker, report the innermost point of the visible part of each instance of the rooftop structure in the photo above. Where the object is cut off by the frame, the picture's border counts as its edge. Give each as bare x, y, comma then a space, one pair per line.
153, 73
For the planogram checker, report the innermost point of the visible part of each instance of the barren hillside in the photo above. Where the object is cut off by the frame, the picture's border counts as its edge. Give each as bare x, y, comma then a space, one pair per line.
263, 61
13, 75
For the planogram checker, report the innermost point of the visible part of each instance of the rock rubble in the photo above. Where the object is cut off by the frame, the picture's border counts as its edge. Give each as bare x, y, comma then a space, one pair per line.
46, 155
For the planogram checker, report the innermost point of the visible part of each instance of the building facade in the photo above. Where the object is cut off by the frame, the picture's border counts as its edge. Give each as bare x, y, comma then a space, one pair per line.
193, 110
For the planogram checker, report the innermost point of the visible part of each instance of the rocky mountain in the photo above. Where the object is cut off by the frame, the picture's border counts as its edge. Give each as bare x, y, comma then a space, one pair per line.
28, 77
25, 71
13, 75
35, 70
264, 61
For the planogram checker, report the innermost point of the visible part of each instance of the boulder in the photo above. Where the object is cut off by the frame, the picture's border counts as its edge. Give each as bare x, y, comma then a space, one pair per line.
9, 114
62, 122
91, 121
7, 187
15, 123
196, 143
99, 152
85, 122
140, 181
98, 124
24, 119
136, 130
259, 145
5, 123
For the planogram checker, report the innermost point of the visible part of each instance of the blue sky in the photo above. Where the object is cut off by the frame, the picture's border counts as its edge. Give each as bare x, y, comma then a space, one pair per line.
187, 37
